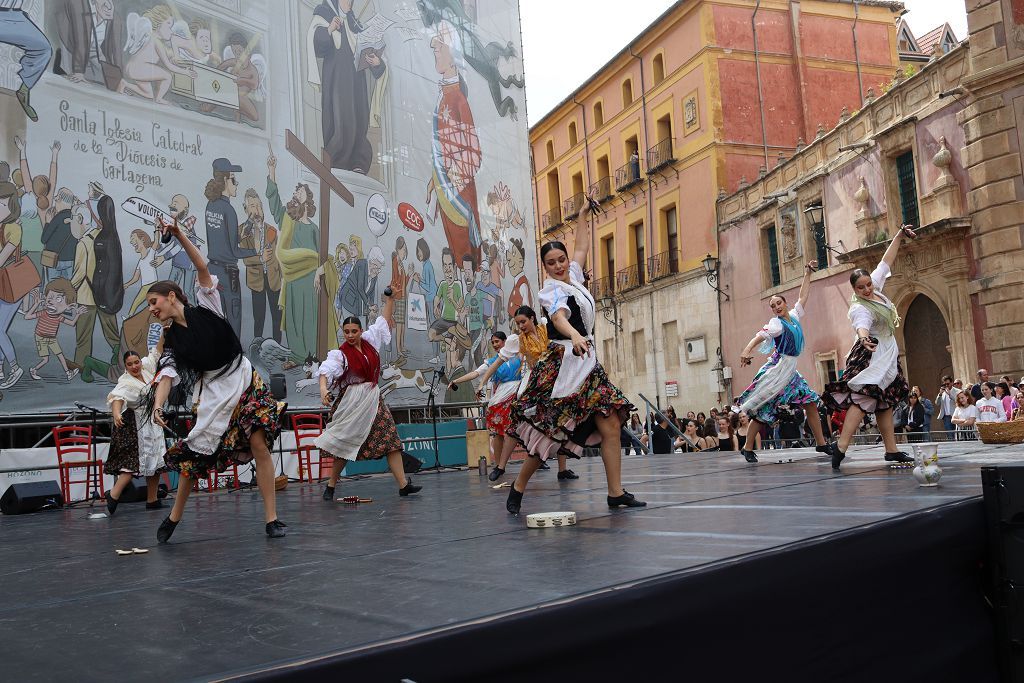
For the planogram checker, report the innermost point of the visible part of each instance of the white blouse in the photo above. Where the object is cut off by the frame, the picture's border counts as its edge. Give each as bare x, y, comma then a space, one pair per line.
335, 367
555, 296
131, 390
861, 317
773, 328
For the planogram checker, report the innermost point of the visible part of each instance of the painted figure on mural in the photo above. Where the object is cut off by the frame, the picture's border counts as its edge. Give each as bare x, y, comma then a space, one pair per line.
359, 294
222, 239
449, 305
58, 305
16, 291
36, 197
263, 271
192, 41
298, 251
345, 98
144, 273
250, 71
149, 70
18, 30
58, 255
506, 214
93, 36
399, 284
183, 273
455, 153
343, 267
521, 294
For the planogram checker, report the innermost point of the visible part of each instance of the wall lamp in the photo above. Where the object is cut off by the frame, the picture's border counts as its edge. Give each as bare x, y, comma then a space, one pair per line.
816, 224
610, 312
711, 272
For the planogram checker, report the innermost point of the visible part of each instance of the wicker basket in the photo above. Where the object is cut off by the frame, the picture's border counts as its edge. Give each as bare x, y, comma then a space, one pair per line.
1001, 432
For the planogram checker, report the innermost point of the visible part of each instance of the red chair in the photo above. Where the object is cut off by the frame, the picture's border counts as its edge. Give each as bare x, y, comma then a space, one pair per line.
214, 479
307, 427
74, 452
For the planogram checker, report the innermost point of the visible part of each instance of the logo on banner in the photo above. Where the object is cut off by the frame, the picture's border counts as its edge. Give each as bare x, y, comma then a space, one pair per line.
410, 217
377, 214
153, 335
417, 314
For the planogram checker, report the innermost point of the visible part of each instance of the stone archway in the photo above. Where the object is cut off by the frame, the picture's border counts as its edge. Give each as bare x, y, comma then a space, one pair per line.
926, 345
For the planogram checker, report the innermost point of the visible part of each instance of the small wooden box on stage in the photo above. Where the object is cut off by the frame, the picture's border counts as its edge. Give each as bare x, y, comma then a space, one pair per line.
478, 443
210, 85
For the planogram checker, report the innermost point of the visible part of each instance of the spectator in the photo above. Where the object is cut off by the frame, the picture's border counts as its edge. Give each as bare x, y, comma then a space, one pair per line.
742, 433
661, 437
789, 426
636, 428
959, 384
701, 419
726, 436
1018, 400
691, 416
1010, 384
1004, 395
690, 441
964, 417
929, 410
990, 408
899, 417
976, 389
946, 403
711, 423
915, 418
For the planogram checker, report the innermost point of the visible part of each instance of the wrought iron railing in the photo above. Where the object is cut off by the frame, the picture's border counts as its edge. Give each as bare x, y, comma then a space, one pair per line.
662, 265
602, 189
602, 287
629, 278
551, 220
627, 176
571, 206
660, 155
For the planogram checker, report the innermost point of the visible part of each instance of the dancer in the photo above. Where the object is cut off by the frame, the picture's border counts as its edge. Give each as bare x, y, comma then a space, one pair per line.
778, 382
136, 442
237, 418
569, 401
361, 426
873, 381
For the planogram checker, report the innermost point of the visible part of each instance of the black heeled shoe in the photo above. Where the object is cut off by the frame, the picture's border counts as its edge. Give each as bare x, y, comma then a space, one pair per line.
328, 493
495, 474
155, 505
627, 499
898, 456
111, 504
824, 449
749, 456
409, 488
567, 474
837, 455
544, 466
515, 500
167, 527
276, 529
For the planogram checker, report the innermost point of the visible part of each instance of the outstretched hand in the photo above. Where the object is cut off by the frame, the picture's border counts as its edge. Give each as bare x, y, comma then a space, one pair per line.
908, 230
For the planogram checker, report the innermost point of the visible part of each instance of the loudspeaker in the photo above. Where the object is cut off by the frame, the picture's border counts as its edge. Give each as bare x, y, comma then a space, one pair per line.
278, 386
135, 492
410, 464
1003, 489
31, 496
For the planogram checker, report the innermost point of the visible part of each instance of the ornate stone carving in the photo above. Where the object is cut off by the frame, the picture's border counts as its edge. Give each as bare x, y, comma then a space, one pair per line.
942, 160
820, 132
870, 96
862, 196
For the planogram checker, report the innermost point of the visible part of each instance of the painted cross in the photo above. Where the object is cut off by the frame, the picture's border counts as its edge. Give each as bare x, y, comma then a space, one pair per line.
321, 168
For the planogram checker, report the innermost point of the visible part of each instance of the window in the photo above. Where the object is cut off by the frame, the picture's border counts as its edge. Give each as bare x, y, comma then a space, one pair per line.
627, 93
598, 114
672, 238
639, 352
608, 252
554, 194
638, 240
659, 69
573, 139
820, 235
827, 364
604, 169
551, 151
670, 334
908, 188
770, 247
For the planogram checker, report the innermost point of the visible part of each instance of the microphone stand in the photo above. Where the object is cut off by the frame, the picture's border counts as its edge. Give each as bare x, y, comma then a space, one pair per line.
439, 374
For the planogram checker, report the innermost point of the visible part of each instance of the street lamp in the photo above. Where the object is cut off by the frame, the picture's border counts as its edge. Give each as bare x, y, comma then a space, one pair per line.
608, 310
711, 271
816, 224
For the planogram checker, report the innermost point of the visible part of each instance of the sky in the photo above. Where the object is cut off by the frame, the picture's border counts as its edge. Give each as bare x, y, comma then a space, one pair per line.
566, 41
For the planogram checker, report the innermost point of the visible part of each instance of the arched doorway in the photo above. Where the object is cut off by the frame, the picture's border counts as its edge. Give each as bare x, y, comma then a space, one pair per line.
926, 343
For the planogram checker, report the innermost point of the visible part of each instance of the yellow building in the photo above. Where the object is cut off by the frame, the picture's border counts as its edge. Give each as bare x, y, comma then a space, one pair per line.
711, 94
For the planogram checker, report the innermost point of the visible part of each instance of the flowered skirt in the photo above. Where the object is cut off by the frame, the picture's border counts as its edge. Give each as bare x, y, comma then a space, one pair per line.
498, 416
794, 392
383, 437
548, 427
124, 454
869, 398
257, 410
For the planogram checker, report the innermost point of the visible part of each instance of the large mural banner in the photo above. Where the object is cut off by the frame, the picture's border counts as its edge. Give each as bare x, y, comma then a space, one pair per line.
317, 151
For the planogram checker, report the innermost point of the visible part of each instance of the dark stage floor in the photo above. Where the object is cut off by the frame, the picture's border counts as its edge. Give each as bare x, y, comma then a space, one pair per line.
221, 598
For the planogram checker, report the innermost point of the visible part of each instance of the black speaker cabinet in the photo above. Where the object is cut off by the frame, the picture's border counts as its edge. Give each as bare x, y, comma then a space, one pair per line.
1003, 489
135, 492
31, 496
410, 464
278, 386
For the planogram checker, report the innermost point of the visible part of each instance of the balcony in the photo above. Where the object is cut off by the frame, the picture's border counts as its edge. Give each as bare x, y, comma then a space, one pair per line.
602, 288
662, 265
551, 220
571, 207
602, 189
627, 176
660, 155
629, 278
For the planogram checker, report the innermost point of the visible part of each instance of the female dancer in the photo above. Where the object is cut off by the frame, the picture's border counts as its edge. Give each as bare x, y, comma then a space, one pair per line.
237, 418
569, 401
136, 442
778, 381
873, 381
523, 349
361, 426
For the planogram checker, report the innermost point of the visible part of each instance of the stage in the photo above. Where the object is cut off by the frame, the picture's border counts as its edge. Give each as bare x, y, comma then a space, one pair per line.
784, 571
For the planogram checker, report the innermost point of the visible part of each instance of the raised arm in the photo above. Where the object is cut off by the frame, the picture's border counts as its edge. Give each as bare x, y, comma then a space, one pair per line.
468, 377
582, 245
202, 271
747, 354
389, 309
894, 247
805, 286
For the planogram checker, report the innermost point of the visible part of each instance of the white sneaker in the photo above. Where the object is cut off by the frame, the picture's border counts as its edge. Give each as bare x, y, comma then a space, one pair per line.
72, 374
13, 379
